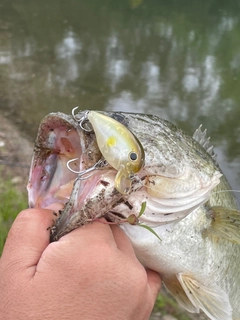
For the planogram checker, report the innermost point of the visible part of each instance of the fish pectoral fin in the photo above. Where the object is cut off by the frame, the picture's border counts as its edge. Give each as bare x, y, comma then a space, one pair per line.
175, 288
209, 298
225, 224
122, 181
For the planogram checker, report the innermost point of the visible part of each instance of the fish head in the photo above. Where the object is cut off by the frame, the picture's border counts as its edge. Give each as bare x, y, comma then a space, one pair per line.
175, 174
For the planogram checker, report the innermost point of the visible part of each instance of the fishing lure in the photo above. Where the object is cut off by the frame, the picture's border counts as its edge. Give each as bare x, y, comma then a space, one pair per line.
119, 147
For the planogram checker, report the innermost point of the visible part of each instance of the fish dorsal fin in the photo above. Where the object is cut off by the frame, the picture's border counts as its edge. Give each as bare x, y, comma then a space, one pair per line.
225, 224
201, 137
175, 288
209, 298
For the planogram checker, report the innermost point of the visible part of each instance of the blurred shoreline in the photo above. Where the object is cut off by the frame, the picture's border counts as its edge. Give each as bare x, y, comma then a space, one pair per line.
15, 154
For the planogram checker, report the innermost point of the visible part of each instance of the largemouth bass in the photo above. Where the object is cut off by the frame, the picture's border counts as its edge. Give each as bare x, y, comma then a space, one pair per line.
187, 198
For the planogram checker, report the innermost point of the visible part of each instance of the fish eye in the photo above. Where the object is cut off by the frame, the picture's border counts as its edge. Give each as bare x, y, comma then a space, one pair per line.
133, 156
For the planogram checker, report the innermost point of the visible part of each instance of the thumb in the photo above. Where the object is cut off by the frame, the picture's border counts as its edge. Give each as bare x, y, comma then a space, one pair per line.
27, 239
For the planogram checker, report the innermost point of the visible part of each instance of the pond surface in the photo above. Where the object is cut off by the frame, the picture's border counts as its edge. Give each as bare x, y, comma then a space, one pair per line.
177, 59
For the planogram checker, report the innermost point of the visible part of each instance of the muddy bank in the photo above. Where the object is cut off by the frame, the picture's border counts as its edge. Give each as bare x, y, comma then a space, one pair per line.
15, 154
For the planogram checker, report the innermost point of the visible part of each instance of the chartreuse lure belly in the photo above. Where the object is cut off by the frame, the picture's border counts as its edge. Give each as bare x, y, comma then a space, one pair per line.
119, 147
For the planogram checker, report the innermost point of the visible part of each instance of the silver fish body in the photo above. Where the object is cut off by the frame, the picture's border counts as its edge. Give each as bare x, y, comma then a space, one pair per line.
198, 254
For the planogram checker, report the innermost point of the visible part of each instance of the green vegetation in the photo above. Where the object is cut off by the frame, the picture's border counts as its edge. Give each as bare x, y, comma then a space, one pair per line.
12, 202
167, 305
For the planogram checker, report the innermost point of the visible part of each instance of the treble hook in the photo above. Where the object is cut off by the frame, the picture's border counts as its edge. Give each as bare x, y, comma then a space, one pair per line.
73, 114
100, 164
81, 120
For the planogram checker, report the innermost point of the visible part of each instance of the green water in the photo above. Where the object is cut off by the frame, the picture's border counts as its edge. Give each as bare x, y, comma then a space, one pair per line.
177, 59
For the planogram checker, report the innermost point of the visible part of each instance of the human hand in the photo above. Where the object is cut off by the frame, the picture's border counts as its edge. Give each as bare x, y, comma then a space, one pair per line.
90, 273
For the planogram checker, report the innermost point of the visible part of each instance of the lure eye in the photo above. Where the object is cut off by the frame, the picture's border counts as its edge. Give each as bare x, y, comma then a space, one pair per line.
133, 156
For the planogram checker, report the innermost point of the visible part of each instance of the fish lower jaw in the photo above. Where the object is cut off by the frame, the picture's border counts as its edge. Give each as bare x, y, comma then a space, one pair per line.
89, 200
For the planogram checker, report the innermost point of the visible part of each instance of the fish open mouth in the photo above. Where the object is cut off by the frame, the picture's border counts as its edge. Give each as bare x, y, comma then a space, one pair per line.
63, 152
59, 141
